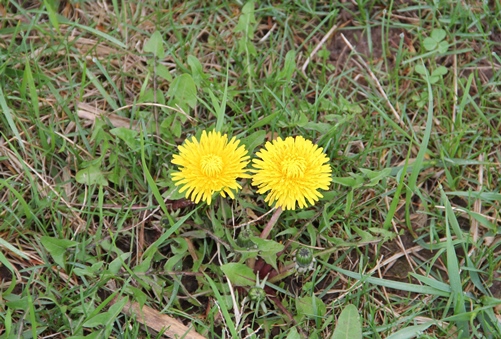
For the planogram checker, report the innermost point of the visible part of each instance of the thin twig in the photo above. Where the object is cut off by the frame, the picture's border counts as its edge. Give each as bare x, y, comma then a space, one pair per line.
315, 50
374, 78
267, 35
254, 220
466, 212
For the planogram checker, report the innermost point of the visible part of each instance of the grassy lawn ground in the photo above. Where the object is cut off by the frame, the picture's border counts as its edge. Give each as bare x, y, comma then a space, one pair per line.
402, 96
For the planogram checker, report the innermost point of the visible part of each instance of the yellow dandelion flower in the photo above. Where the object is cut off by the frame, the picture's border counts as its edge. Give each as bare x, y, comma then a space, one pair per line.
293, 170
210, 165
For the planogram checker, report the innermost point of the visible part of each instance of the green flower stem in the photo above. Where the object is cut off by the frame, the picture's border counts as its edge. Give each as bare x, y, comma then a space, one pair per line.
273, 220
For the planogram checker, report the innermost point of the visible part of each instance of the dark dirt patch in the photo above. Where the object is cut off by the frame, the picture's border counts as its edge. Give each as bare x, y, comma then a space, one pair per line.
496, 286
367, 44
374, 42
399, 270
5, 274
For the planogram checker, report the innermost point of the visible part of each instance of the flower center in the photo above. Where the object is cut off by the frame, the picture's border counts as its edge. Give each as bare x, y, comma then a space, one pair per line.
293, 167
211, 164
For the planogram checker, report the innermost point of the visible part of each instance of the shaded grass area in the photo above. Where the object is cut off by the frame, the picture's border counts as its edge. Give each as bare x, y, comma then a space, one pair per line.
402, 96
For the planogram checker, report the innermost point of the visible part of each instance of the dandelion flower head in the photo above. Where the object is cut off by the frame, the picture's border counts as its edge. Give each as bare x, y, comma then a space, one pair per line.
210, 165
292, 170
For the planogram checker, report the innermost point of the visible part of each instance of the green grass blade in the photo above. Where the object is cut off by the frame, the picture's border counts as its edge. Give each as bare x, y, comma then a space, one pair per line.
32, 317
94, 31
230, 325
95, 81
49, 5
411, 331
388, 283
432, 282
12, 249
8, 116
396, 197
26, 208
167, 234
423, 147
457, 294
221, 109
152, 184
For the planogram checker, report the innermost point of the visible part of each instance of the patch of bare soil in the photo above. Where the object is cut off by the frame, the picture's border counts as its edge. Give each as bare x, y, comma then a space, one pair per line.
369, 41
367, 44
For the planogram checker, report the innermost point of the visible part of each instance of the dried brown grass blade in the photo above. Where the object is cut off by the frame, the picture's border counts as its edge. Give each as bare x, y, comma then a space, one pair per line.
89, 112
158, 322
